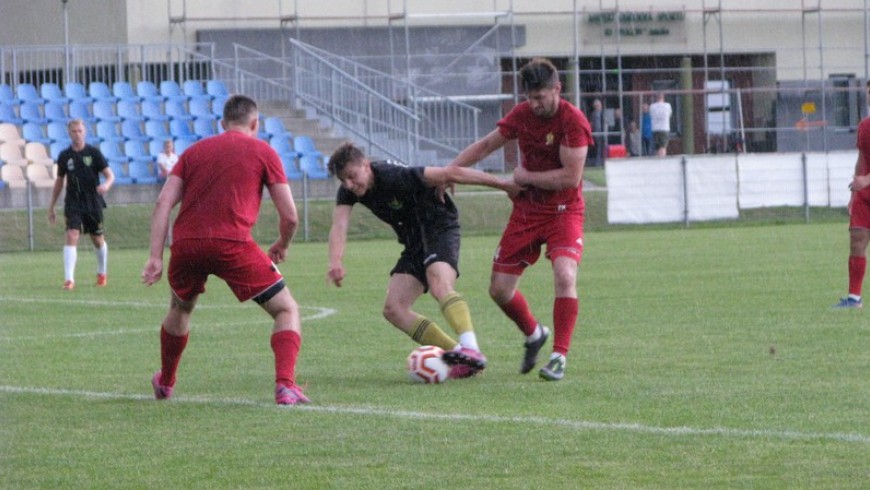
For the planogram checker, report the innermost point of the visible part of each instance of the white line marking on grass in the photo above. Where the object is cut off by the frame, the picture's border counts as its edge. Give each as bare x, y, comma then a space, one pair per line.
404, 414
319, 313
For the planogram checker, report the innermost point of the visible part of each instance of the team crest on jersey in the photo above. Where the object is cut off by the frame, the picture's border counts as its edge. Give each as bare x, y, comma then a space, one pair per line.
88, 161
395, 204
70, 164
550, 139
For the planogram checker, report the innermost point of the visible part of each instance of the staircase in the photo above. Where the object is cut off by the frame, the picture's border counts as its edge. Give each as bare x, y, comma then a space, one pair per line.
297, 122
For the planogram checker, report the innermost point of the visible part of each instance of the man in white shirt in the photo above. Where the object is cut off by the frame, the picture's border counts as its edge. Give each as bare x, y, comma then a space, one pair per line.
660, 113
166, 159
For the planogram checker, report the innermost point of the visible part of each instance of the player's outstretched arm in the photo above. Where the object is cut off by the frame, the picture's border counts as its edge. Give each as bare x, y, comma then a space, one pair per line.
288, 221
169, 196
337, 241
479, 150
446, 176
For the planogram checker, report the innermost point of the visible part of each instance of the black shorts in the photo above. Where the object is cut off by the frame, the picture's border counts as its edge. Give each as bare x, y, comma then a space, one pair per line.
90, 222
417, 256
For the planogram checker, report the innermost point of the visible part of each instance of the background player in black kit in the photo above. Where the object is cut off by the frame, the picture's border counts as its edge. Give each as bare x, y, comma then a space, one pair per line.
427, 224
80, 166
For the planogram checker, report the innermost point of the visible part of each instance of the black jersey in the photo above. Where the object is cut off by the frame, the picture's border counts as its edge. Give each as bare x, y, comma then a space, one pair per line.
82, 170
401, 198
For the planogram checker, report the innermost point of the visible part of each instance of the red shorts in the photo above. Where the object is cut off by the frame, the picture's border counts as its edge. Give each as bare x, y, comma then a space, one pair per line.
244, 266
859, 210
520, 245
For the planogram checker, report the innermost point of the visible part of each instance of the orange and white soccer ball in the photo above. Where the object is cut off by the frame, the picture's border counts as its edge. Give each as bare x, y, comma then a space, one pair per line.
426, 366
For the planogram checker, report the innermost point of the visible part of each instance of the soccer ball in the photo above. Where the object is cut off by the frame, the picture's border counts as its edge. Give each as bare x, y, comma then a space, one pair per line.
426, 366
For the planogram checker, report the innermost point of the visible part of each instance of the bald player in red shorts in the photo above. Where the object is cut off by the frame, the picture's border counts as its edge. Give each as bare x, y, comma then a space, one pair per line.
553, 138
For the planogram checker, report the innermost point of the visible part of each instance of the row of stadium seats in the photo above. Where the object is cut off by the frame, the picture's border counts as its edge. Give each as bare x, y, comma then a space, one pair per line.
99, 91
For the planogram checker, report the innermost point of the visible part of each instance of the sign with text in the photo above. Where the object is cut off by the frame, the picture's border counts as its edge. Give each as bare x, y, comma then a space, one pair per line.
648, 27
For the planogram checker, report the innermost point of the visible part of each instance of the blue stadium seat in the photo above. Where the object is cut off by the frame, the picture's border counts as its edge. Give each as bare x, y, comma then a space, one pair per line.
180, 130
283, 146
201, 109
153, 111
177, 109
275, 127
57, 131
80, 109
311, 165
290, 169
135, 151
128, 110
124, 91
27, 93
181, 145
155, 147
157, 131
54, 111
8, 115
76, 91
304, 145
112, 152
204, 127
216, 88
7, 96
193, 90
142, 172
55, 148
147, 91
120, 171
170, 90
51, 93
30, 111
108, 132
132, 130
104, 110
91, 136
33, 132
217, 106
100, 91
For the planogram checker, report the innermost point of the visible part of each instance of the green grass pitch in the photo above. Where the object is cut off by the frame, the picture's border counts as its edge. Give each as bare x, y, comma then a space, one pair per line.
702, 359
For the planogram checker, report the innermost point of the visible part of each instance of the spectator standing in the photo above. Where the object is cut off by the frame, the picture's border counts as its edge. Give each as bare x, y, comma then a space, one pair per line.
646, 131
80, 166
660, 114
553, 137
598, 126
411, 200
212, 235
633, 138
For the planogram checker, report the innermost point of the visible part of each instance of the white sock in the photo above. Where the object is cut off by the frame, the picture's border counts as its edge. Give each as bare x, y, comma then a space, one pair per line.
855, 297
70, 254
102, 254
557, 355
536, 334
469, 341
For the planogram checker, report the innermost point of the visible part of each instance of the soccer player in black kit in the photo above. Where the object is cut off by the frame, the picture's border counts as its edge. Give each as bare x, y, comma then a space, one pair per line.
411, 200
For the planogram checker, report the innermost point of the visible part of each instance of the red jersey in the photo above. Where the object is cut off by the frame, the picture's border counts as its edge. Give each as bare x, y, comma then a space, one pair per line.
864, 147
539, 141
223, 179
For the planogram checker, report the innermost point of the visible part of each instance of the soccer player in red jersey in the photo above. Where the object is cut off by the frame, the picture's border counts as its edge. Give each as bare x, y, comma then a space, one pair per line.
219, 182
553, 138
859, 218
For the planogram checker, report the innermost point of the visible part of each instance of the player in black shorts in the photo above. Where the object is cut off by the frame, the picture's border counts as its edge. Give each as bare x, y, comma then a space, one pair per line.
411, 201
80, 166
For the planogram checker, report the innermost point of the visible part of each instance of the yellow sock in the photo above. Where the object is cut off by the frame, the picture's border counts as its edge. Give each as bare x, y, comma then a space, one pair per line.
426, 332
455, 310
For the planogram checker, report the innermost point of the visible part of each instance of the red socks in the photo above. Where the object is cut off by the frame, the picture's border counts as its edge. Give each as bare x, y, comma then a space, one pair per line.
517, 309
171, 348
857, 266
564, 318
285, 345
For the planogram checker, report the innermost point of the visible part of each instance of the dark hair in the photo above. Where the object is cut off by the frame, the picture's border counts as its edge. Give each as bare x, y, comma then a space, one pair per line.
239, 110
344, 155
538, 74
